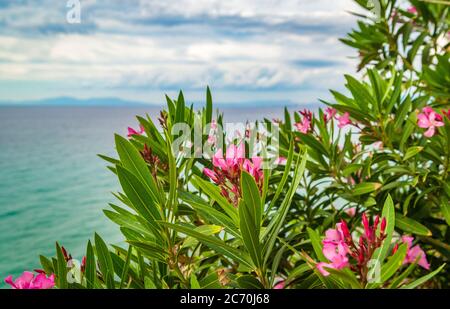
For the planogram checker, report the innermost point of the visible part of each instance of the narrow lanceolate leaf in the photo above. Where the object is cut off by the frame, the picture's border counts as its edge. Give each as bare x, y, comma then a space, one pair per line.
138, 195
250, 233
90, 267
61, 275
445, 208
204, 229
214, 193
173, 180
249, 282
212, 242
209, 213
180, 109
423, 279
393, 264
411, 152
209, 106
389, 214
411, 226
275, 226
104, 261
346, 276
252, 199
124, 274
365, 187
316, 244
132, 160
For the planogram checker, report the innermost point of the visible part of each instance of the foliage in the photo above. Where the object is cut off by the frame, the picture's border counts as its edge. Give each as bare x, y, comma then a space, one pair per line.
193, 222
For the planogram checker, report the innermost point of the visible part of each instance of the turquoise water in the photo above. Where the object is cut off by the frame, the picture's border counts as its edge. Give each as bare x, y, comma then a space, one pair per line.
52, 184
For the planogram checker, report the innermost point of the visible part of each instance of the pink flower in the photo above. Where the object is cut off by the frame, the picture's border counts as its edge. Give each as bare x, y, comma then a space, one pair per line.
329, 114
279, 285
213, 124
304, 125
412, 10
227, 171
234, 158
211, 139
351, 211
280, 160
378, 145
429, 119
415, 253
253, 167
28, 281
344, 120
335, 249
132, 131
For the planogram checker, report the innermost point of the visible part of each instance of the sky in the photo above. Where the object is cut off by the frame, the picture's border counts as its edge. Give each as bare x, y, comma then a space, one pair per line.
245, 50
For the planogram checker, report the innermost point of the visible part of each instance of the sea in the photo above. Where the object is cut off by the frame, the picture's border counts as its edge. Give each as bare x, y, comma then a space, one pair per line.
53, 186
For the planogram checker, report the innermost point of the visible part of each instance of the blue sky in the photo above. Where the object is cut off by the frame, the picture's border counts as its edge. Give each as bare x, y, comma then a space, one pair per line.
246, 50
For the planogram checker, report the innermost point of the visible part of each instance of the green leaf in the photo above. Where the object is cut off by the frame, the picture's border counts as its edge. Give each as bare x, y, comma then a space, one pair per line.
250, 233
423, 279
249, 282
214, 193
208, 212
276, 224
316, 244
46, 265
209, 106
393, 264
250, 193
213, 242
139, 196
346, 276
365, 187
180, 109
61, 269
104, 261
124, 274
91, 268
388, 213
149, 249
132, 160
410, 225
445, 208
411, 152
194, 282
204, 229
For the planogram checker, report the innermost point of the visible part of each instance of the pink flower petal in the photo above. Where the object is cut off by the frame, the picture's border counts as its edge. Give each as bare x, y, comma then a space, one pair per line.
320, 266
9, 280
430, 132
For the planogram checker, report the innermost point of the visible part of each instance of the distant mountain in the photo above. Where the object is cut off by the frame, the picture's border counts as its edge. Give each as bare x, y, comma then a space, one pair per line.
70, 101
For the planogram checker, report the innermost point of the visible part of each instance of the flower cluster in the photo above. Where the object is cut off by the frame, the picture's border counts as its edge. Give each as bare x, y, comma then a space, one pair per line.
429, 120
342, 251
153, 160
227, 171
304, 126
29, 281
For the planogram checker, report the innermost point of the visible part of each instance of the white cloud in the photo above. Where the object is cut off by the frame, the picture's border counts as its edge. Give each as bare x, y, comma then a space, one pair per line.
261, 45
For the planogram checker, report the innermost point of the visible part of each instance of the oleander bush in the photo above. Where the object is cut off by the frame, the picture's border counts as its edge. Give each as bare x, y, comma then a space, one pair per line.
354, 195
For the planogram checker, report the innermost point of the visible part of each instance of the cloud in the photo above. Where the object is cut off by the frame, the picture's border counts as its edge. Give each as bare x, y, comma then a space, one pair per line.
133, 47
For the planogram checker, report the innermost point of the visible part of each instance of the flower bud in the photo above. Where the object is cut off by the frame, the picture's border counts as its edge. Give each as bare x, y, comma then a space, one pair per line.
366, 226
345, 230
395, 249
383, 225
